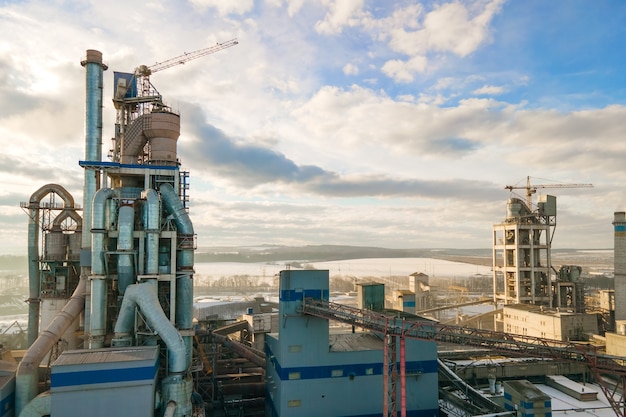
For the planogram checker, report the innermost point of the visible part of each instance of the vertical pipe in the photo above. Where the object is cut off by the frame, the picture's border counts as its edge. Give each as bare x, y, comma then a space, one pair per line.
94, 85
185, 260
97, 300
94, 69
125, 227
402, 377
152, 223
33, 273
386, 376
619, 265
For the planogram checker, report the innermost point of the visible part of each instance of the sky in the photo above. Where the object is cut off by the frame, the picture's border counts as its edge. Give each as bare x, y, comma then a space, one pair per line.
352, 122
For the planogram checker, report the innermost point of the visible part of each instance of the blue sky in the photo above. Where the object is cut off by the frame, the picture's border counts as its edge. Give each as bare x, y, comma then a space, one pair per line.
376, 123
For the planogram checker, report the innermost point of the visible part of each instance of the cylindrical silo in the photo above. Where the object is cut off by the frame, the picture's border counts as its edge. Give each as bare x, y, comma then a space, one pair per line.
75, 240
162, 130
619, 262
56, 245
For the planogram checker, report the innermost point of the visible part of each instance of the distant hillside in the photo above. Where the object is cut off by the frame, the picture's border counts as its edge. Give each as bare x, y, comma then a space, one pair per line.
321, 253
18, 264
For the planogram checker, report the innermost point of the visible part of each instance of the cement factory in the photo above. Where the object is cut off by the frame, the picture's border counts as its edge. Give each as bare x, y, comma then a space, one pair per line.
112, 328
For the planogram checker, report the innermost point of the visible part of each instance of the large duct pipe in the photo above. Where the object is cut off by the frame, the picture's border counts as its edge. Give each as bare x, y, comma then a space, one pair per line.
97, 300
39, 406
125, 227
27, 377
184, 268
145, 297
174, 207
177, 386
619, 265
33, 252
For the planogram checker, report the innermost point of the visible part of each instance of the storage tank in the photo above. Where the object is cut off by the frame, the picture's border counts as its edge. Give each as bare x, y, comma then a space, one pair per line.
56, 245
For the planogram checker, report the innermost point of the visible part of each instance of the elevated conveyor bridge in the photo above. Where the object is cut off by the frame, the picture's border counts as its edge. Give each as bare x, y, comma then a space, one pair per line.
608, 371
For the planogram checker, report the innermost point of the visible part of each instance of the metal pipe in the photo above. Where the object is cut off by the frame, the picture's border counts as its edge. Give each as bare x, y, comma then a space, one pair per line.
240, 349
125, 227
27, 377
175, 208
38, 407
178, 389
34, 283
184, 268
94, 86
152, 224
170, 409
402, 376
619, 267
144, 296
97, 300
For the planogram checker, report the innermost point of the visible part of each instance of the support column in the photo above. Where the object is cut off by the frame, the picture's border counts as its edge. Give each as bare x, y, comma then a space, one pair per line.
390, 369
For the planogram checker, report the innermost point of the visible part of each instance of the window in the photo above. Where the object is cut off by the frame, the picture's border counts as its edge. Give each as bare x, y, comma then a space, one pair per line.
294, 375
293, 403
337, 373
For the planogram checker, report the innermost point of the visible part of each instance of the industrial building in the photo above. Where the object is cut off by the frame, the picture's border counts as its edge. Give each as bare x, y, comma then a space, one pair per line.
337, 374
526, 319
111, 305
537, 298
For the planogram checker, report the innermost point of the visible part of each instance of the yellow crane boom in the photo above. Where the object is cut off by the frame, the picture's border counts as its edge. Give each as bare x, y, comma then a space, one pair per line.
532, 189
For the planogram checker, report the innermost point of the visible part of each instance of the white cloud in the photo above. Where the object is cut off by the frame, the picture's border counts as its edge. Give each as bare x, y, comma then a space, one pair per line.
449, 28
404, 71
350, 69
294, 6
340, 13
225, 8
407, 121
490, 90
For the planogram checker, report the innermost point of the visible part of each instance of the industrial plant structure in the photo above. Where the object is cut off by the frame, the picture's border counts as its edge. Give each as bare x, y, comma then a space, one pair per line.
311, 371
111, 292
122, 271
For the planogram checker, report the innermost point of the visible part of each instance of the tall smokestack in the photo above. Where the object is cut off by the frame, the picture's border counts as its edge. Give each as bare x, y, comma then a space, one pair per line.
619, 262
93, 140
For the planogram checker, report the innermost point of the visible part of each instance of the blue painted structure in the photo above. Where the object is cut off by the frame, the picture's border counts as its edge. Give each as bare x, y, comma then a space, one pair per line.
106, 382
7, 389
307, 376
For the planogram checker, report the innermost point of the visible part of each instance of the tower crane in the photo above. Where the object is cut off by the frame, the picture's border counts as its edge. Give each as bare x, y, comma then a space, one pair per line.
143, 72
532, 189
135, 95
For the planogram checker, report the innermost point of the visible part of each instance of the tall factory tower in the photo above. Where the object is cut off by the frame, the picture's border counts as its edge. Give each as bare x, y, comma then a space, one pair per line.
521, 253
522, 264
128, 321
619, 262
